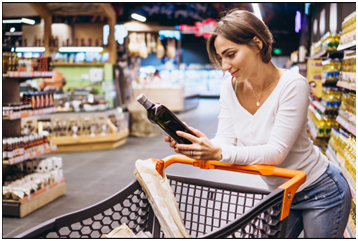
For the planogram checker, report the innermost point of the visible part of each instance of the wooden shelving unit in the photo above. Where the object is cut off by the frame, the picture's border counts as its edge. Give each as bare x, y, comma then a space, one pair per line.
22, 114
30, 155
34, 201
12, 127
33, 74
79, 64
88, 142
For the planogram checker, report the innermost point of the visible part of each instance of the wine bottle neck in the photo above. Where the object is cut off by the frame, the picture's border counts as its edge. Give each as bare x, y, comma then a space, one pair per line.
147, 104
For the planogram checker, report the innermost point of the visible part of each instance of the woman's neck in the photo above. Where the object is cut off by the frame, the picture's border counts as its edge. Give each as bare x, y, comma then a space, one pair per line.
263, 76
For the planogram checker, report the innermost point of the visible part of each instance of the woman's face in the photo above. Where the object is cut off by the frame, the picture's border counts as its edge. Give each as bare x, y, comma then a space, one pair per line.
239, 59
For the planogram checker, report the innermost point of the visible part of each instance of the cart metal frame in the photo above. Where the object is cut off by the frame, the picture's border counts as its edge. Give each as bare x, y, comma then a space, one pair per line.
209, 209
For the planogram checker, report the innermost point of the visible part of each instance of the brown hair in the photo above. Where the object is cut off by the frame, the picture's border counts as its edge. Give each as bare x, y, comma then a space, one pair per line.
240, 26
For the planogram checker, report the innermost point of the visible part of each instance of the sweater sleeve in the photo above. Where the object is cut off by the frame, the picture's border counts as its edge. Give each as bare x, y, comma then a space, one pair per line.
225, 135
291, 117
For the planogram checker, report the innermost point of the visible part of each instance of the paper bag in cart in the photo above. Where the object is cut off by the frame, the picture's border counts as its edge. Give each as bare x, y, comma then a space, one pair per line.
161, 197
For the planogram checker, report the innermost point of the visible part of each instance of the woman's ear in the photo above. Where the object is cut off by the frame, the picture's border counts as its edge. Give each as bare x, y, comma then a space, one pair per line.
258, 43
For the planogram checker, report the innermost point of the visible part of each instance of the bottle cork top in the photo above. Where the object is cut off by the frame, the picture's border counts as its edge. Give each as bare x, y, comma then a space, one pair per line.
143, 100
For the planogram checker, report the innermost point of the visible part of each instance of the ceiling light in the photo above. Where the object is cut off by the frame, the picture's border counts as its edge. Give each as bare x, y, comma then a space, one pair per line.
138, 17
80, 49
257, 12
30, 49
11, 21
28, 21
12, 30
23, 20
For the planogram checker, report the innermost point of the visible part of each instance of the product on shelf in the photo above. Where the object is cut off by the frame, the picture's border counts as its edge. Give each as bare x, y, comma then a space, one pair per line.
38, 100
34, 175
348, 108
328, 42
321, 144
331, 69
11, 63
349, 68
352, 214
344, 145
84, 125
331, 98
349, 29
18, 146
30, 101
323, 123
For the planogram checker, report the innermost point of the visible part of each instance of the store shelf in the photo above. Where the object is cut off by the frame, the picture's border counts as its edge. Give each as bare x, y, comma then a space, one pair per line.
350, 231
349, 127
88, 142
347, 45
22, 114
330, 153
348, 86
332, 157
318, 105
329, 82
326, 53
79, 64
36, 200
314, 131
27, 156
34, 74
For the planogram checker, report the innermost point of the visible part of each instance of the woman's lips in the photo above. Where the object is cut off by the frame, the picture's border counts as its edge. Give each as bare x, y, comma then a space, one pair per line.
234, 73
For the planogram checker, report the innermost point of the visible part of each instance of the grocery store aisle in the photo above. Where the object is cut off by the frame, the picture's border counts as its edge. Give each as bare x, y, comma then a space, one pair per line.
95, 175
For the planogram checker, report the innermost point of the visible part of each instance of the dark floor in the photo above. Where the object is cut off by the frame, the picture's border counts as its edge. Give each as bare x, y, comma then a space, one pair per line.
95, 175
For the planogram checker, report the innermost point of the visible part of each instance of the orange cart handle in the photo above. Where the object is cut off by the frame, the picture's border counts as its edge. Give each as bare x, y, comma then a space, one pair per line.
297, 178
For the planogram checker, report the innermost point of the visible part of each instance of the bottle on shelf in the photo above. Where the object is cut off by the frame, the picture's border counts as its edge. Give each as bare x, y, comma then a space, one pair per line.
164, 119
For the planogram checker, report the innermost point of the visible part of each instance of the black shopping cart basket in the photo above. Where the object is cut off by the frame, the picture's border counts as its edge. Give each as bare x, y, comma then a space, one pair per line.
208, 209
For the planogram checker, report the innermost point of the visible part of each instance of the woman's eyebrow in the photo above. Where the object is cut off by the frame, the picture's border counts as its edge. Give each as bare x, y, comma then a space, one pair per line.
223, 52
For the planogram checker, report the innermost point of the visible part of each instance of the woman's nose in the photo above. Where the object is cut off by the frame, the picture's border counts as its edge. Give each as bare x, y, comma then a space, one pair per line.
225, 66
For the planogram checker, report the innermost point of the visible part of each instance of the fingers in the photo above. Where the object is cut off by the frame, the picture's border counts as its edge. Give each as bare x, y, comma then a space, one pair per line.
173, 144
187, 136
197, 132
167, 139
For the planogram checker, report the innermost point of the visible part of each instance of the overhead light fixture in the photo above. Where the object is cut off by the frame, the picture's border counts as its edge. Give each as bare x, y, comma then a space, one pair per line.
12, 30
138, 17
257, 12
29, 49
23, 20
12, 21
80, 49
28, 21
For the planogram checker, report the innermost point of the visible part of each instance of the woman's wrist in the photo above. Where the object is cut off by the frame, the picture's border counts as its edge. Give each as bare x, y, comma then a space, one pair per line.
218, 156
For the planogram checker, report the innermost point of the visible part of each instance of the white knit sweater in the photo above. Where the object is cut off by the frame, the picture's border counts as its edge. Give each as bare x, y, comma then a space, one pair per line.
275, 135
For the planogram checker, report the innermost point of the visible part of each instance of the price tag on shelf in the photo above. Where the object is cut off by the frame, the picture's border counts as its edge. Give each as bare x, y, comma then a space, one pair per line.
346, 125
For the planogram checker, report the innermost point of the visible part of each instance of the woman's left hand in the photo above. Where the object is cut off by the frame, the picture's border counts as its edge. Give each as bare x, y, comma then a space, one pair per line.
201, 149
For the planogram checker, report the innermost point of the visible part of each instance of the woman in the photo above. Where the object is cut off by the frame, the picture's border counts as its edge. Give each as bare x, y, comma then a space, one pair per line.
263, 120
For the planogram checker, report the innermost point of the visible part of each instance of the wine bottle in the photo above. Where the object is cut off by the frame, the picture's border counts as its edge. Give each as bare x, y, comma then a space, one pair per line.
164, 119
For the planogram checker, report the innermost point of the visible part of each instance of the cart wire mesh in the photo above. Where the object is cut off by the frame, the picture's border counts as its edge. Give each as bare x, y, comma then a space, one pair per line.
208, 209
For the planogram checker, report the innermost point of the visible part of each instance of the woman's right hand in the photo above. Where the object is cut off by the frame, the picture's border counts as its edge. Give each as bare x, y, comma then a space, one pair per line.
171, 142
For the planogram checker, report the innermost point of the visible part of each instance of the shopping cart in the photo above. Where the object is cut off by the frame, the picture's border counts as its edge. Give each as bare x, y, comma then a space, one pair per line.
209, 209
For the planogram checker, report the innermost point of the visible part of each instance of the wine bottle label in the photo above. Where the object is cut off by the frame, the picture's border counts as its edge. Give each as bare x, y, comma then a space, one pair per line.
160, 129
